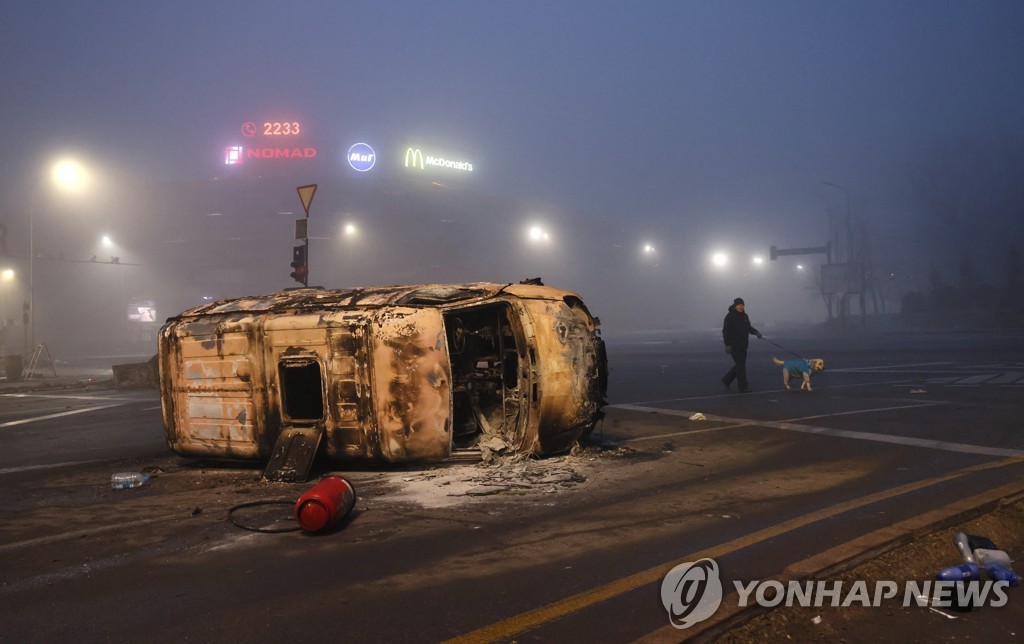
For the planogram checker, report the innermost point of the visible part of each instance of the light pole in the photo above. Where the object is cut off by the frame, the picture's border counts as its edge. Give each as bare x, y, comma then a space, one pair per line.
6, 278
68, 175
849, 255
849, 242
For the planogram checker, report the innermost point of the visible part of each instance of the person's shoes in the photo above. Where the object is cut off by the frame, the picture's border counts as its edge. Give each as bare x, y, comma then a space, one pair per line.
728, 385
745, 390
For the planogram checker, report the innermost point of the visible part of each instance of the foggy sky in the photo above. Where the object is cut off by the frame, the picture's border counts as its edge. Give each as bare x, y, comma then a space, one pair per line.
710, 122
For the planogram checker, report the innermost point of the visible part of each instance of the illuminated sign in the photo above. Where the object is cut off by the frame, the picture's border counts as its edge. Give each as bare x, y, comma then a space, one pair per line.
282, 128
280, 153
361, 157
414, 158
273, 128
233, 155
268, 141
237, 154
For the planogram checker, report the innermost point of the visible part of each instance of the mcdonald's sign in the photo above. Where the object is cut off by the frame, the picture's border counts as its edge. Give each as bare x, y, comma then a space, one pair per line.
414, 158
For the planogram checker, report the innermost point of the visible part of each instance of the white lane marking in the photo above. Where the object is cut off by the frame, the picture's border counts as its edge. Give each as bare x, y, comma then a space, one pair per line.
151, 408
66, 396
1007, 378
894, 371
27, 468
891, 366
976, 380
40, 541
792, 425
34, 419
768, 391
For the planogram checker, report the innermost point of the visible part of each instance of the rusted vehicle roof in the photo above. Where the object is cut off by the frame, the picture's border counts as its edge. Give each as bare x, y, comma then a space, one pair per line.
382, 374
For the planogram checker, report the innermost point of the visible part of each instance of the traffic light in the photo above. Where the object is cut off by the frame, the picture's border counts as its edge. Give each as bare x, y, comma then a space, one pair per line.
301, 272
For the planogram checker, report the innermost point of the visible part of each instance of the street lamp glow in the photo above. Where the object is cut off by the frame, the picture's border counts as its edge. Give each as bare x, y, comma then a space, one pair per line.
720, 260
7, 274
350, 230
107, 241
799, 267
69, 175
757, 260
538, 234
649, 249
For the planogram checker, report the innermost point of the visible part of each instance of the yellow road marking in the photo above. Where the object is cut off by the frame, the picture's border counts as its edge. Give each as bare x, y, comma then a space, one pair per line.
538, 616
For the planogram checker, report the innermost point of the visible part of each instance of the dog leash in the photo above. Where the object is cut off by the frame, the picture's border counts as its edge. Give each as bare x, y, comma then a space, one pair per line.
783, 348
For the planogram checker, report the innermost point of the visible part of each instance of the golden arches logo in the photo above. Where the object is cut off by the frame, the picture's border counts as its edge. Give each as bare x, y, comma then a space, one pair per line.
415, 156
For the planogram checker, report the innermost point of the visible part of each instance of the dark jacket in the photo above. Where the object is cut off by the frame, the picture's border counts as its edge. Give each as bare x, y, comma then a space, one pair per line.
736, 329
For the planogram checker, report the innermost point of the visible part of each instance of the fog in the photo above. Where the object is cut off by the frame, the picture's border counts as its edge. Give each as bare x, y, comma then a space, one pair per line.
616, 149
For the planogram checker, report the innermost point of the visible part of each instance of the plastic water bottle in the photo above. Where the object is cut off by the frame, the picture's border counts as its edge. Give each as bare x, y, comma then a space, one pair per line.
963, 572
960, 539
125, 480
999, 572
985, 557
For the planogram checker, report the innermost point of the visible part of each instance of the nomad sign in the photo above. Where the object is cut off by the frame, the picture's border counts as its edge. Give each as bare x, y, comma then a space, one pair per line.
416, 159
270, 140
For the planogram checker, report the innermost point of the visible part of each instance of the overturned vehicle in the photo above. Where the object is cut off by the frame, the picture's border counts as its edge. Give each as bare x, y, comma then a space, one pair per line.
382, 374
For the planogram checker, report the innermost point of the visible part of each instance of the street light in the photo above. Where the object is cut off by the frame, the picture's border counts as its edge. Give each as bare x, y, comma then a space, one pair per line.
349, 232
649, 249
6, 276
719, 259
757, 260
849, 242
538, 235
107, 241
69, 176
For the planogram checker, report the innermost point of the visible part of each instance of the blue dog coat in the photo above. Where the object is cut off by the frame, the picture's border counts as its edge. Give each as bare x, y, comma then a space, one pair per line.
797, 367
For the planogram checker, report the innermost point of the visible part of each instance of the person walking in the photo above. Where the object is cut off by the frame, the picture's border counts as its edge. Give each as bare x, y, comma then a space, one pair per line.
736, 330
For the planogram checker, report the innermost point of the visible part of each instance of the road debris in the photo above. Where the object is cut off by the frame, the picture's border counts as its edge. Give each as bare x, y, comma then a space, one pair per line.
321, 507
511, 475
698, 416
127, 480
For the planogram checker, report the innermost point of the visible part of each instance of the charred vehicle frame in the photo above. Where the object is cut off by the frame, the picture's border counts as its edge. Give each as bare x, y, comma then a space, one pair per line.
383, 374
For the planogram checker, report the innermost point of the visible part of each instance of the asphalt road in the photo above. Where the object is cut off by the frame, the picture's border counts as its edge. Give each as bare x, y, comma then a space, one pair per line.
898, 425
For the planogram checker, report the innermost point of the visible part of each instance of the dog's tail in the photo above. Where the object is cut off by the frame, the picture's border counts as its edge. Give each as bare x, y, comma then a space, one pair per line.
777, 361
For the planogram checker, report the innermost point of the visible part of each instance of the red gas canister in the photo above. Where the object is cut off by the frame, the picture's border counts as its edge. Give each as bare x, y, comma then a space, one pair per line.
324, 504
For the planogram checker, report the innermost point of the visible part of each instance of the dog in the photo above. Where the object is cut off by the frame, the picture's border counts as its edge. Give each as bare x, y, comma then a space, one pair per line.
798, 368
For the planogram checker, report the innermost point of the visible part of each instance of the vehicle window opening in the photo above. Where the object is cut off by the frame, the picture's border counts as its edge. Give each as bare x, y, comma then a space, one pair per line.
486, 392
302, 390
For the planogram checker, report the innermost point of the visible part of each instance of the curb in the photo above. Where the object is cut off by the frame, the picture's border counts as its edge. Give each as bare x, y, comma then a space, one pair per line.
80, 383
846, 556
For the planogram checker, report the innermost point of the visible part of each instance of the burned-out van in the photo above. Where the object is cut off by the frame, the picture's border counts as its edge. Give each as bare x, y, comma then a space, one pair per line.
383, 374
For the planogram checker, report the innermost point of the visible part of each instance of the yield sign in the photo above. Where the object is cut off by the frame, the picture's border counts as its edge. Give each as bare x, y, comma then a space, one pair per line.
306, 196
